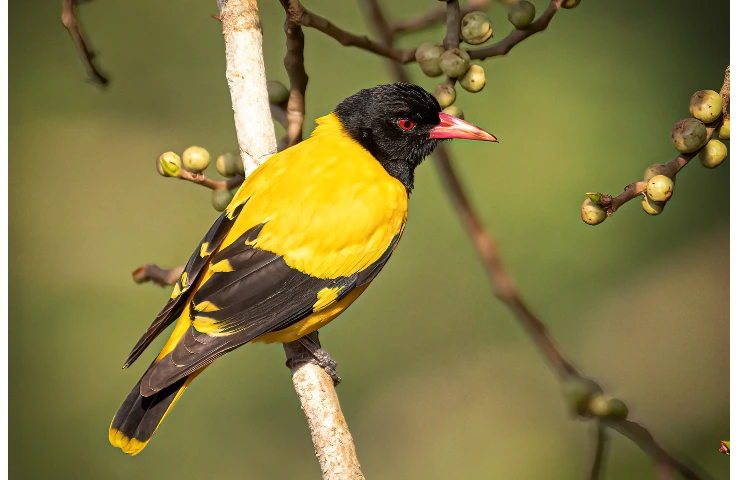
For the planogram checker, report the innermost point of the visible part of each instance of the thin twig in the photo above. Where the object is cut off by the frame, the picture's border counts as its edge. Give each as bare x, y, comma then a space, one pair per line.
69, 20
294, 65
517, 36
155, 274
503, 285
433, 17
201, 179
452, 38
725, 93
644, 439
600, 446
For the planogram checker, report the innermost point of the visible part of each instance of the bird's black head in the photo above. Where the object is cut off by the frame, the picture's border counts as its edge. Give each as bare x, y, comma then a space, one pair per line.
401, 124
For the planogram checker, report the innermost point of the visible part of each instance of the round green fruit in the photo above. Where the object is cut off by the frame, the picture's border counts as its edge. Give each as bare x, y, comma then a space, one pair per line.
592, 213
169, 164
713, 153
226, 164
454, 62
195, 159
454, 111
476, 28
688, 135
474, 79
724, 130
221, 198
571, 3
445, 94
660, 188
427, 56
651, 207
277, 92
706, 105
521, 14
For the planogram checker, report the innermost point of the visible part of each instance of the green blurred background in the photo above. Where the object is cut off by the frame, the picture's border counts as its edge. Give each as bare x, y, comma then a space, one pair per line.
440, 382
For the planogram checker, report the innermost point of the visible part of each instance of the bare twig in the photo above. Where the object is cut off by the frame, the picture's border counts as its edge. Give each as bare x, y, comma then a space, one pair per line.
310, 19
503, 286
433, 17
665, 461
600, 445
155, 274
294, 65
517, 36
69, 20
201, 179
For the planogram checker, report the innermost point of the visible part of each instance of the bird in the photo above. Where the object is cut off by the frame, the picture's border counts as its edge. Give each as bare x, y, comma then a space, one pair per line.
303, 237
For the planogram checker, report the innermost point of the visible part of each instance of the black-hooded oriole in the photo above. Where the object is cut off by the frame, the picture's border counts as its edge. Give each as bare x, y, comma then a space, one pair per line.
303, 237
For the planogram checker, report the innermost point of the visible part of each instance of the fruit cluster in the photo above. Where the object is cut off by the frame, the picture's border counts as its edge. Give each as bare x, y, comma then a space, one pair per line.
196, 159
475, 29
688, 136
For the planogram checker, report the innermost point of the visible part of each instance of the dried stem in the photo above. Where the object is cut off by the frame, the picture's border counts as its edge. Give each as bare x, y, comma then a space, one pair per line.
502, 284
433, 17
725, 92
155, 274
69, 20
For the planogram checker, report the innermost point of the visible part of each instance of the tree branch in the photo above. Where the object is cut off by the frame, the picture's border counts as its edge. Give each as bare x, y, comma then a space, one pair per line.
332, 441
600, 446
245, 73
517, 36
433, 17
69, 20
670, 169
161, 276
201, 179
503, 286
294, 65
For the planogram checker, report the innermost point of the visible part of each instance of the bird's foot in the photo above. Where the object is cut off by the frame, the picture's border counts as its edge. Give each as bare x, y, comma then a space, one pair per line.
312, 353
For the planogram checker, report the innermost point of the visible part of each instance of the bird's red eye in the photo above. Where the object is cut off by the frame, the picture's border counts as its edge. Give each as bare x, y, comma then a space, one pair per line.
406, 125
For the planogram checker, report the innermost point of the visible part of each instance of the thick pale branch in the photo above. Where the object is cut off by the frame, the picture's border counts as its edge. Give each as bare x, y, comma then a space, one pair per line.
433, 17
245, 74
332, 441
69, 20
517, 36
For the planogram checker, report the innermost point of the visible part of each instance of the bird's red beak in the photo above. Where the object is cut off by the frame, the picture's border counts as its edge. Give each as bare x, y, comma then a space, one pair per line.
453, 127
